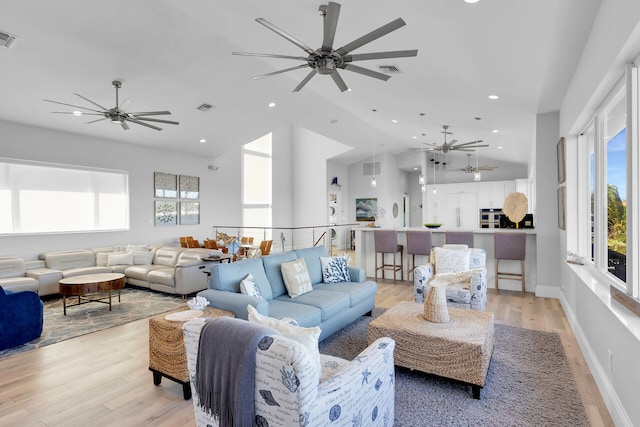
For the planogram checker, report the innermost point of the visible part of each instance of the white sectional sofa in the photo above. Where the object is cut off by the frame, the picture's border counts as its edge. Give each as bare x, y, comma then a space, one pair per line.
167, 269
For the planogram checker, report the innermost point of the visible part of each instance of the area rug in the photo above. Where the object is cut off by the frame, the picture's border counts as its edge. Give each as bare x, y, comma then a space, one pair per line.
529, 383
86, 318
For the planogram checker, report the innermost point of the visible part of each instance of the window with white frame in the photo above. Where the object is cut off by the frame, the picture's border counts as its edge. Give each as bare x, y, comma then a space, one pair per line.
52, 198
256, 186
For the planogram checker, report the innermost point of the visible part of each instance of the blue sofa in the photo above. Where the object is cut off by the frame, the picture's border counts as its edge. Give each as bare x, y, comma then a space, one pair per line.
331, 306
21, 317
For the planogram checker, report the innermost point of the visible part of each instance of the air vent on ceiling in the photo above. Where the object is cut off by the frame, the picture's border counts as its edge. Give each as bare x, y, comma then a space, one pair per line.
389, 68
205, 107
6, 40
369, 169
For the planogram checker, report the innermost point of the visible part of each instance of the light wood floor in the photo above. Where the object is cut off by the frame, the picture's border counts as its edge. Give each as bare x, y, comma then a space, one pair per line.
102, 379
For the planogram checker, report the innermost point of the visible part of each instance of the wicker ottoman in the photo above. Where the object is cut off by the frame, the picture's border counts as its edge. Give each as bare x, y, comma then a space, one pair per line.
459, 349
167, 356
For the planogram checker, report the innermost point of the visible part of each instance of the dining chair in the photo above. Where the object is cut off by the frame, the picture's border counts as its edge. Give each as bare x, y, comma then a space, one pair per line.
183, 242
265, 247
210, 244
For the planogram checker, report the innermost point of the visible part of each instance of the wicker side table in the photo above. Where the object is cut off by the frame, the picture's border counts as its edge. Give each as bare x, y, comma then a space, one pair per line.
167, 356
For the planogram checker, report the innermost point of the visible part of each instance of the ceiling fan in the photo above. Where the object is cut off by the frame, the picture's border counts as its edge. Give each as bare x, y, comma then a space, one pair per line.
472, 169
117, 114
451, 146
326, 60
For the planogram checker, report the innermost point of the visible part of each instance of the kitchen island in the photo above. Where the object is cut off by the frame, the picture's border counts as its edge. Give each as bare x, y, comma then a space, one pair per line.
483, 238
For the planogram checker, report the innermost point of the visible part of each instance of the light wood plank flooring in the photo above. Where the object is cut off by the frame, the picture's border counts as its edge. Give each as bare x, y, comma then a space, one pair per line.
102, 379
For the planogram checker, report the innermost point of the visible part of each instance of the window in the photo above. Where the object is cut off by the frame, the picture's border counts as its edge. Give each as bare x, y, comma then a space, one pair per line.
256, 185
49, 198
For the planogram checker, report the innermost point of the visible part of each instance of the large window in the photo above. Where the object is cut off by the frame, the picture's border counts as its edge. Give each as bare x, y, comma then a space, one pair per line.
49, 198
256, 185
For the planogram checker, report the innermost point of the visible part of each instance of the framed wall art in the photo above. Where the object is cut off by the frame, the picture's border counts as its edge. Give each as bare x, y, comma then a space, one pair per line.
189, 213
560, 152
189, 187
366, 208
562, 210
165, 185
166, 212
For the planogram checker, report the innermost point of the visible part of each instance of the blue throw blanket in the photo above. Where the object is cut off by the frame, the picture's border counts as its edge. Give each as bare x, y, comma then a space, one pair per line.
225, 370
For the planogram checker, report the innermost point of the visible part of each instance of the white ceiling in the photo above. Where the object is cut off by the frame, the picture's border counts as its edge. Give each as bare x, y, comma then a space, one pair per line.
175, 56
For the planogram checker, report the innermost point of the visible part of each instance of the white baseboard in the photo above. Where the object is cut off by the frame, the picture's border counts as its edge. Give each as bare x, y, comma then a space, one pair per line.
609, 395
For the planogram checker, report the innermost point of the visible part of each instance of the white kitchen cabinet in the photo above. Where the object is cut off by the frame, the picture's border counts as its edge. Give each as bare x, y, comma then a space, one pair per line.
461, 210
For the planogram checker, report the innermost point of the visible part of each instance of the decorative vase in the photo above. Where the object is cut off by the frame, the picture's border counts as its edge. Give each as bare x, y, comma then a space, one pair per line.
435, 304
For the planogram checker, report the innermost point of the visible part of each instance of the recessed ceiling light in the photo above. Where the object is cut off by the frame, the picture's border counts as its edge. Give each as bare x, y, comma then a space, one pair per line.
202, 141
272, 104
414, 137
394, 121
471, 1
77, 113
499, 147
494, 97
415, 169
495, 131
348, 89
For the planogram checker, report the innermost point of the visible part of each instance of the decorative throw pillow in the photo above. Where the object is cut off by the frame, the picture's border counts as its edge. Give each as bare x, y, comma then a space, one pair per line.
335, 269
120, 258
102, 258
140, 248
296, 277
308, 337
143, 258
249, 287
450, 260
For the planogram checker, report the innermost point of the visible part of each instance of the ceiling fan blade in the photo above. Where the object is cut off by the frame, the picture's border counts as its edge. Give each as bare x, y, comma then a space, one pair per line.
151, 113
487, 168
94, 121
331, 13
124, 125
270, 55
465, 144
373, 35
305, 80
71, 105
462, 149
88, 100
336, 78
380, 55
144, 124
148, 119
124, 106
280, 71
365, 71
470, 147
71, 112
287, 36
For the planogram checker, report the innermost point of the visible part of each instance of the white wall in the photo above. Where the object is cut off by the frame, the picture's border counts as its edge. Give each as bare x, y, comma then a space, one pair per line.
549, 251
31, 143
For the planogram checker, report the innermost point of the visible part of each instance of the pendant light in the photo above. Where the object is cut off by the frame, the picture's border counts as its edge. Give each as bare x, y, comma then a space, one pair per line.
373, 164
421, 177
435, 190
476, 176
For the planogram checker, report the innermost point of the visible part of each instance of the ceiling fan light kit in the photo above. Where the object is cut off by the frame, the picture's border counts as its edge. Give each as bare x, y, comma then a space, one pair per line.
326, 60
117, 114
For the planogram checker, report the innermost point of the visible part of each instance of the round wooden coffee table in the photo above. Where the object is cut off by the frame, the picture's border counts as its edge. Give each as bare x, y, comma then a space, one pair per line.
89, 287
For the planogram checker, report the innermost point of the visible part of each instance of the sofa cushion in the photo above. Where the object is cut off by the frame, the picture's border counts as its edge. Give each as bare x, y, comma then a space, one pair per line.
227, 276
305, 315
296, 277
312, 259
329, 302
102, 258
72, 272
70, 260
143, 258
140, 272
451, 260
274, 274
120, 258
20, 283
12, 267
167, 256
357, 291
335, 269
163, 276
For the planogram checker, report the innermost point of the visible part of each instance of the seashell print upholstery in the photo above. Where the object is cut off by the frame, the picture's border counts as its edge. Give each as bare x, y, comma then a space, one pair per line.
356, 393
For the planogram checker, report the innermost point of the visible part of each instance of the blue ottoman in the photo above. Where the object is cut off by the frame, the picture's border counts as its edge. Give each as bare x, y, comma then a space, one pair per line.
21, 317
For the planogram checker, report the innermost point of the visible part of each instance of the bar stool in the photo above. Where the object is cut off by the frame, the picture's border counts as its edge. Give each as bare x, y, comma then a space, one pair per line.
510, 246
418, 243
386, 242
459, 238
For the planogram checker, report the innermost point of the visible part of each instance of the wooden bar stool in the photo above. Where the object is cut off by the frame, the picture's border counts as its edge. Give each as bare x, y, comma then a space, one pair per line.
418, 243
386, 242
510, 246
459, 238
